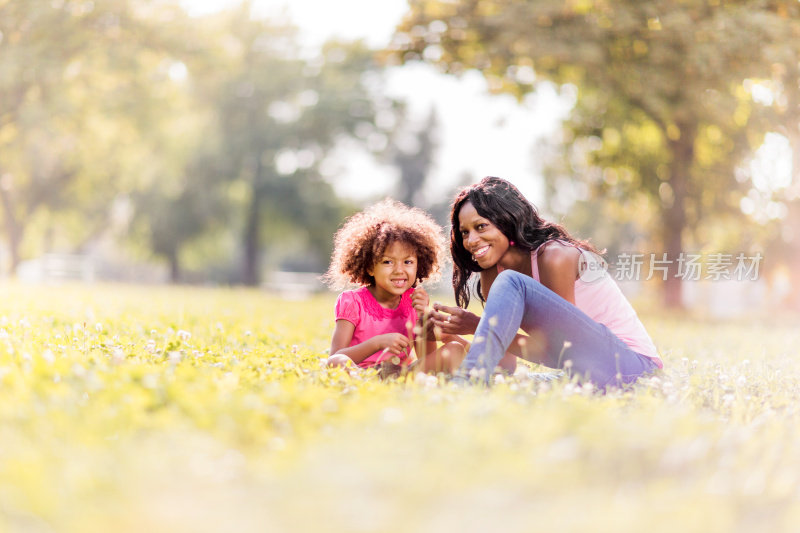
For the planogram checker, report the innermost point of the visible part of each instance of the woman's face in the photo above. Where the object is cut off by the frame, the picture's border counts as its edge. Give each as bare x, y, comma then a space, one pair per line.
480, 237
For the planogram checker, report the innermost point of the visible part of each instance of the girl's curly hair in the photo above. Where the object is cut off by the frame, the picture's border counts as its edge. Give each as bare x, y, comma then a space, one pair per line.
363, 238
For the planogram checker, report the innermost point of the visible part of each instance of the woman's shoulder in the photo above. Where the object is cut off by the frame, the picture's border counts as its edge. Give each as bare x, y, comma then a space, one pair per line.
557, 254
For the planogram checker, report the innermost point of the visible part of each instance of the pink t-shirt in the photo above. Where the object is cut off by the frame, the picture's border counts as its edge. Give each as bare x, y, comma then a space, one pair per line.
370, 319
597, 295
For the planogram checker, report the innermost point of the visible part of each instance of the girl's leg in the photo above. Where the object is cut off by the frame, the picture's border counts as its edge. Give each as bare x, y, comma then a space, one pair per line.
562, 336
340, 360
446, 358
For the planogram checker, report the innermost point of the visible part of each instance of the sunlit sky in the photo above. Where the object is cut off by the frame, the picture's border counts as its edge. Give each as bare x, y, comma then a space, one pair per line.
478, 134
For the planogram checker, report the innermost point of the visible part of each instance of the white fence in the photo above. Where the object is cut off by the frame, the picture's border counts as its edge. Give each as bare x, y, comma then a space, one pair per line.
294, 284
58, 267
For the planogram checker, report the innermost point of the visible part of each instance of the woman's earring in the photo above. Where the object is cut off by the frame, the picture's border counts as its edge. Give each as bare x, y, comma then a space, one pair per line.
512, 243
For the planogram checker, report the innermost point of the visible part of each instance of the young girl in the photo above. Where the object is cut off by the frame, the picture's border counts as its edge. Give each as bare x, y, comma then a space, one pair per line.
543, 281
387, 249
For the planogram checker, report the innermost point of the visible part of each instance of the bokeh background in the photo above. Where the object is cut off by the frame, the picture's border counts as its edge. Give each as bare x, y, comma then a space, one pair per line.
216, 142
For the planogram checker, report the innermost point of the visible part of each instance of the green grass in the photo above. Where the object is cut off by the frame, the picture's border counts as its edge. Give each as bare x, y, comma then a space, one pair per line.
132, 409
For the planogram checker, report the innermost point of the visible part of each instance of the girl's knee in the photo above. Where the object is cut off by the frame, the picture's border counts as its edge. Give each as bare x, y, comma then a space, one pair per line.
452, 355
446, 359
339, 360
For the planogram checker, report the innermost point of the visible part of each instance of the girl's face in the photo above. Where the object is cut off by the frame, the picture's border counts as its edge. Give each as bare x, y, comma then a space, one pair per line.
480, 237
395, 271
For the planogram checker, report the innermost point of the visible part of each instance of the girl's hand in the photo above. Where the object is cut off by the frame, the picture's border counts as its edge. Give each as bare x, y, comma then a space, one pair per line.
454, 320
394, 343
420, 301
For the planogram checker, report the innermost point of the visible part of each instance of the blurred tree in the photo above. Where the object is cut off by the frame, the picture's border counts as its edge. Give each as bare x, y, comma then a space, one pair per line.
278, 116
76, 81
660, 85
173, 212
413, 154
784, 197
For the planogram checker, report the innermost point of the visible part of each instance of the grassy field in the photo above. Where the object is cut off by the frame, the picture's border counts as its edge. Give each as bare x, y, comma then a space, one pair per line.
133, 409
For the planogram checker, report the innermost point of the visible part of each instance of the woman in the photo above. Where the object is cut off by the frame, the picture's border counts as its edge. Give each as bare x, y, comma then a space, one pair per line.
535, 276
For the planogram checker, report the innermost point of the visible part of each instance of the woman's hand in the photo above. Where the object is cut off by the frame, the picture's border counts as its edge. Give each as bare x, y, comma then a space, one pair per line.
454, 320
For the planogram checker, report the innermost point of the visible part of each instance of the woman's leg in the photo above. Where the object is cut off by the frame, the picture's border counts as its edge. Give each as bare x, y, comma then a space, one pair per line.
562, 336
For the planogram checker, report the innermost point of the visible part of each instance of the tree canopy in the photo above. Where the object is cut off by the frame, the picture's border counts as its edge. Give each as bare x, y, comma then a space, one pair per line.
661, 85
182, 135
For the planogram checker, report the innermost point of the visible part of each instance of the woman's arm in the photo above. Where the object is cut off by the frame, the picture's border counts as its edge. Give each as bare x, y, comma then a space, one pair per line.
395, 343
558, 269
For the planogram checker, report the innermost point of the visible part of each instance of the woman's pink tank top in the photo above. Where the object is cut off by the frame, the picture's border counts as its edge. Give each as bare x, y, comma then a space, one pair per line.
597, 295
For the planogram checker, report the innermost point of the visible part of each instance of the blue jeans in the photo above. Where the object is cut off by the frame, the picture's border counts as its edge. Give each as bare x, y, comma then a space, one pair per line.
558, 332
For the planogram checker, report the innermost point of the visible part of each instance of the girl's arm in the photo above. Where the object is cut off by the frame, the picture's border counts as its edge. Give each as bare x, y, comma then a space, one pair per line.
425, 339
395, 343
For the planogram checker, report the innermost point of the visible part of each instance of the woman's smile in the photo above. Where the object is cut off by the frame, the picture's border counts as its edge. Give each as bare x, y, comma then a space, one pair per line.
480, 237
480, 252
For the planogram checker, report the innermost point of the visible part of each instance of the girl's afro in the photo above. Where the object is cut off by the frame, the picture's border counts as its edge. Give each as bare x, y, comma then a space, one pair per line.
363, 238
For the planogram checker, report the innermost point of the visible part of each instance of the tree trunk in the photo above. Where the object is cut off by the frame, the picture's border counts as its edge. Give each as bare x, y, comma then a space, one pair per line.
174, 267
674, 213
793, 204
251, 237
13, 229
252, 232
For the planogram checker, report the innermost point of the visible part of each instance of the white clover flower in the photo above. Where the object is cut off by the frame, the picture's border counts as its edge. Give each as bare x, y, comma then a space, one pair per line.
98, 327
78, 370
49, 356
117, 355
184, 335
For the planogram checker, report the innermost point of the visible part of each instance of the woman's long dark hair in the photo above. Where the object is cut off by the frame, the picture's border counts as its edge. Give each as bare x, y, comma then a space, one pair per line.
504, 206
